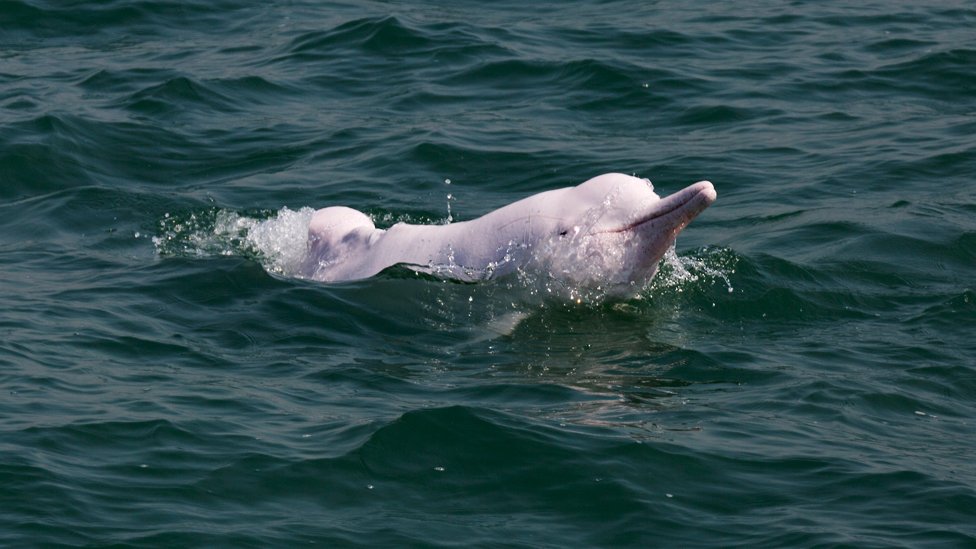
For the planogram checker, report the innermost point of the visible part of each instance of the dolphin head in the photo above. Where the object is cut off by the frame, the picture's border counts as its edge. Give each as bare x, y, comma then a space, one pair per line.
612, 231
336, 234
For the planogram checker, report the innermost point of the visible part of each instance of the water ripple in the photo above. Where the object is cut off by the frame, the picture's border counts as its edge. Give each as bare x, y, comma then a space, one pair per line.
799, 373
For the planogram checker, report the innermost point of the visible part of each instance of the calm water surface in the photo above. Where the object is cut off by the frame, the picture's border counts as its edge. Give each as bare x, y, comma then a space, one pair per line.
800, 374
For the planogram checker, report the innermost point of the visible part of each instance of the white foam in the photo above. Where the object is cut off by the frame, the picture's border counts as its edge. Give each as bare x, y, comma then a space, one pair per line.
278, 242
281, 241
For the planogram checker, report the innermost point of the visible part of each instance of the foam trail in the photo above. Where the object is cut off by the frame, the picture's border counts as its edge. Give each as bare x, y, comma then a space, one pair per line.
279, 243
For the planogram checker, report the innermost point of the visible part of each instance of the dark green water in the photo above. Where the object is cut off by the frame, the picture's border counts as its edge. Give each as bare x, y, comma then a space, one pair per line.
802, 375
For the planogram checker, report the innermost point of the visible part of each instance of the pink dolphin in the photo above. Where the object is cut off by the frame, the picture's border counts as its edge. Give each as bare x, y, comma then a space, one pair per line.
610, 231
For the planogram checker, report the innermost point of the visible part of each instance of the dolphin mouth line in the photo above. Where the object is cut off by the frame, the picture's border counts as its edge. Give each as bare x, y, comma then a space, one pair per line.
680, 200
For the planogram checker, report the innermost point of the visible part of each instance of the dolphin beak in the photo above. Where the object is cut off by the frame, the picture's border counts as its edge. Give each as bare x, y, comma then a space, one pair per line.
676, 210
693, 199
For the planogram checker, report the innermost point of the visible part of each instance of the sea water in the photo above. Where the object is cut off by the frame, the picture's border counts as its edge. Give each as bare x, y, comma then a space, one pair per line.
799, 373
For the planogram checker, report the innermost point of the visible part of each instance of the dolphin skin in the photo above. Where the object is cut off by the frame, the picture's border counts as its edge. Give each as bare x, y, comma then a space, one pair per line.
609, 232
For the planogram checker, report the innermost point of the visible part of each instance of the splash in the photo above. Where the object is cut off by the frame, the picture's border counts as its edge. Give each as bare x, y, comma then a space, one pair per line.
709, 265
512, 257
694, 272
277, 241
450, 198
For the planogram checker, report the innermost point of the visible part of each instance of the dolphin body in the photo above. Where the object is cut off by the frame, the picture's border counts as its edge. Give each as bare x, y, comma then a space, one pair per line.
609, 232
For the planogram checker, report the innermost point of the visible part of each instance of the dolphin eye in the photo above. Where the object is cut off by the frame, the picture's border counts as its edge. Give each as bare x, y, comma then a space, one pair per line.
564, 232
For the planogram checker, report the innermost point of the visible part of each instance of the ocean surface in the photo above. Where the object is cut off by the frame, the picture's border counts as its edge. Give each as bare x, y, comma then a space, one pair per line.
800, 373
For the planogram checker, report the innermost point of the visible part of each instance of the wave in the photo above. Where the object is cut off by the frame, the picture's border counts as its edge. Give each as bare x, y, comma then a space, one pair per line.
465, 471
386, 35
44, 21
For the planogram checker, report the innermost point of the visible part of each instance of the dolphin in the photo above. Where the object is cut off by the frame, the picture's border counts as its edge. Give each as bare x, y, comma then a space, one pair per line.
608, 232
